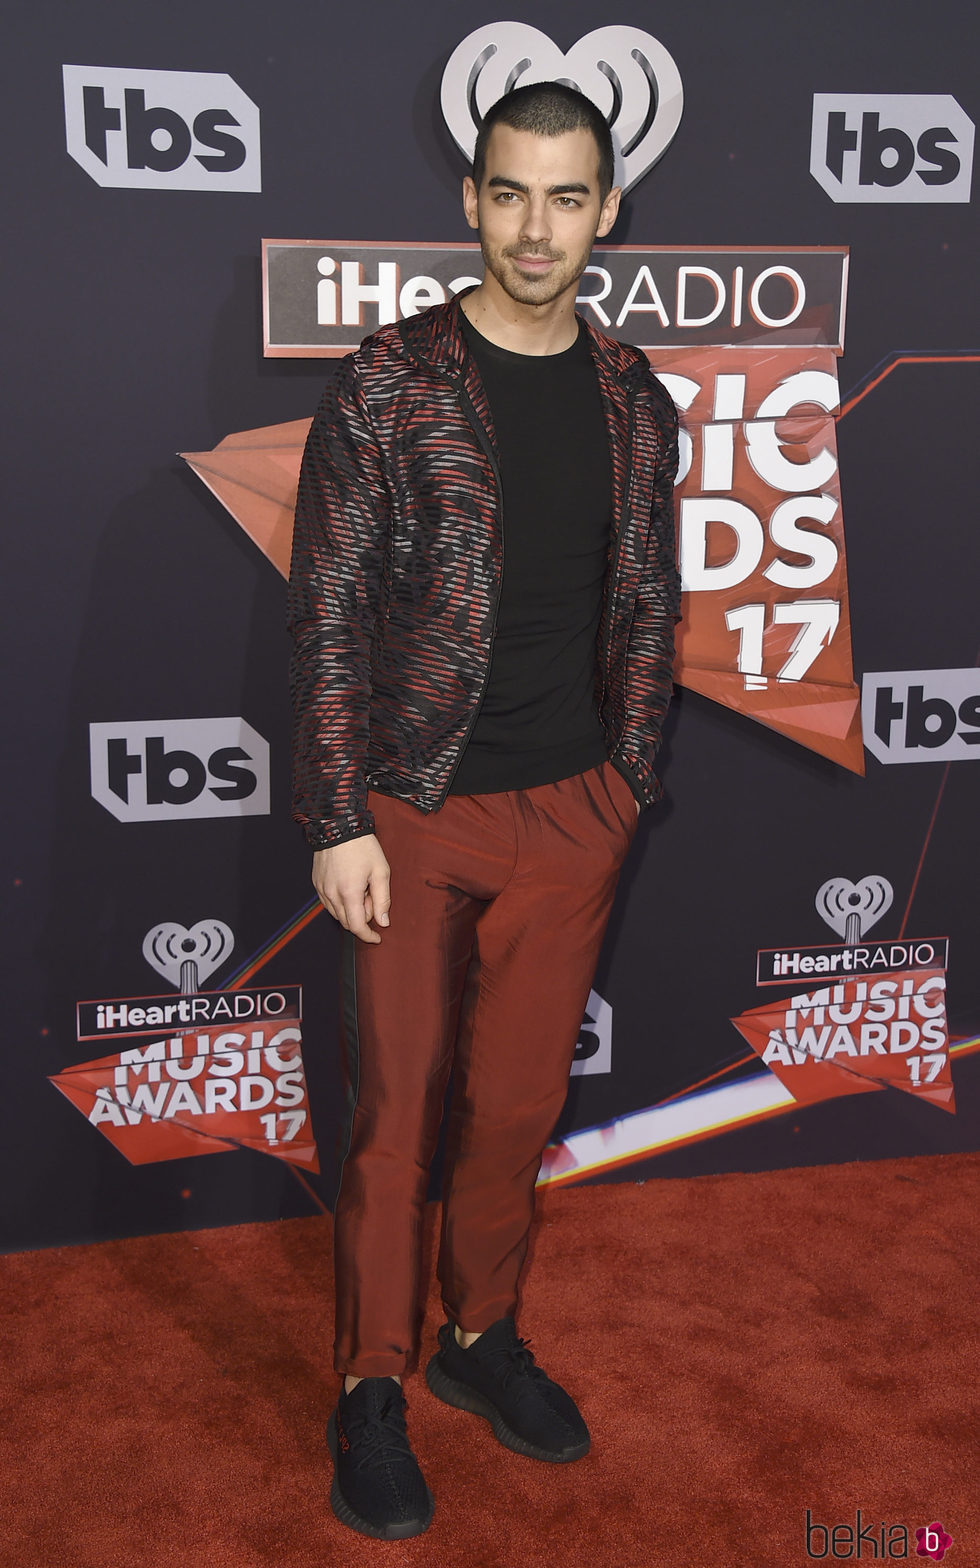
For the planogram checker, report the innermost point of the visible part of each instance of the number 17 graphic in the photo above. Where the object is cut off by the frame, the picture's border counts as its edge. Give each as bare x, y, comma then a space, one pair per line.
817, 619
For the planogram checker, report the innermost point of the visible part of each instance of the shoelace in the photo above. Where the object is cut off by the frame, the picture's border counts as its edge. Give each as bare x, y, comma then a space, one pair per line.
382, 1435
519, 1361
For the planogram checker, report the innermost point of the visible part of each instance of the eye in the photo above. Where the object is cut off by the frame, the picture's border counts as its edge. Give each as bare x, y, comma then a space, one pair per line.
567, 201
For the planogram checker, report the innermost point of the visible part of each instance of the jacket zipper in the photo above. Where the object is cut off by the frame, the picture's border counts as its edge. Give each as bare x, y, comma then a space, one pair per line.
487, 448
618, 545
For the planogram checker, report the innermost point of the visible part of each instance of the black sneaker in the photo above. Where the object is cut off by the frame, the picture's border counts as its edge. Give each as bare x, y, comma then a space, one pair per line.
378, 1487
496, 1378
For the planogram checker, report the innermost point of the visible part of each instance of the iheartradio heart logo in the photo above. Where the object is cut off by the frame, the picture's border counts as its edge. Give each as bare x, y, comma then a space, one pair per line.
852, 908
185, 958
627, 73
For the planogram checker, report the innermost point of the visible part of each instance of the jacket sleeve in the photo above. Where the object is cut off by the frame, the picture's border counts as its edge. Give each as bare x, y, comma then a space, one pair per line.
650, 650
335, 582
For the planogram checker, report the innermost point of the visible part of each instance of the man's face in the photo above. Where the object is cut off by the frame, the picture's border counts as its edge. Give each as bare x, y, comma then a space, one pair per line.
538, 211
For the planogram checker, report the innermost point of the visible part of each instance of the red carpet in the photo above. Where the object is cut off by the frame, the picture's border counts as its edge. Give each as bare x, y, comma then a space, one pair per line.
743, 1347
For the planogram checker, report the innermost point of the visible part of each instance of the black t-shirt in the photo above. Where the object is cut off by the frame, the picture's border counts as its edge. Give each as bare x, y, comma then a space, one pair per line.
538, 721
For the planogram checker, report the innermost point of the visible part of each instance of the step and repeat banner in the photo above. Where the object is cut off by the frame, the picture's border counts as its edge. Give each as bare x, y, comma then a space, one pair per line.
209, 206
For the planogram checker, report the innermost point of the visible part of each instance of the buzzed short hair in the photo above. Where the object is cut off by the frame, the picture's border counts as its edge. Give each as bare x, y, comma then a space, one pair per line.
547, 109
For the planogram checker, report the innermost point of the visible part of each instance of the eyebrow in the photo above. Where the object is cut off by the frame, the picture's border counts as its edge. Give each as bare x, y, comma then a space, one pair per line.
573, 188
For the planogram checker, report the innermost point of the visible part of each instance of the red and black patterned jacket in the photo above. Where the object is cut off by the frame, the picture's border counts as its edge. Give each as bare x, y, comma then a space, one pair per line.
396, 573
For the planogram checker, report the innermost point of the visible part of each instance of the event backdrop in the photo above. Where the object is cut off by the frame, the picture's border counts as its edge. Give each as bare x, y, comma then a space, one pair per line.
208, 204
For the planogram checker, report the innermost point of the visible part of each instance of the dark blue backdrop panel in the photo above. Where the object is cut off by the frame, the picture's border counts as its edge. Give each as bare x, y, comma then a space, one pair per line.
133, 331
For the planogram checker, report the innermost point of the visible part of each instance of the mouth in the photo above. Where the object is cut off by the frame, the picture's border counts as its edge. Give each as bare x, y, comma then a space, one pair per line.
534, 264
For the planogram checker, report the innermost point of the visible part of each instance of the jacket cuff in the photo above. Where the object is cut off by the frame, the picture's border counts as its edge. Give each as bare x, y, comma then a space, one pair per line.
324, 835
645, 797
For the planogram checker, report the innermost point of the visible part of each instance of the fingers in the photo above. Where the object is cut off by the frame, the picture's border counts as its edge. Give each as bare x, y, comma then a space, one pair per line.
356, 917
350, 907
352, 913
379, 894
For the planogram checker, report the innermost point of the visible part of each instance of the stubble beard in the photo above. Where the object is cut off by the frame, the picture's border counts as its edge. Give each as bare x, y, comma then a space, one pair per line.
533, 291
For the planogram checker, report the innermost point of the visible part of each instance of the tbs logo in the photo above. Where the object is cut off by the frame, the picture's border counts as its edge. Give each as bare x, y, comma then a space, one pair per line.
891, 147
922, 715
593, 1049
162, 130
175, 768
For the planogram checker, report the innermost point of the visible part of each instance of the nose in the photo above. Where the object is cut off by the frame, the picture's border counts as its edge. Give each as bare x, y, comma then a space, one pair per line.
536, 227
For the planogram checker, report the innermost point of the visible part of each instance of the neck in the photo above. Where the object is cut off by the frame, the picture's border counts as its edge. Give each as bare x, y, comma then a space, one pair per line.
523, 329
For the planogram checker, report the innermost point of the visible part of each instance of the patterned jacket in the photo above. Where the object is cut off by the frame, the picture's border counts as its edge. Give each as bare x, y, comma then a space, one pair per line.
396, 571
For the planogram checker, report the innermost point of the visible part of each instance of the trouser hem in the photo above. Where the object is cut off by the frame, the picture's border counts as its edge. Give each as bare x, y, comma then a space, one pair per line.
479, 1322
376, 1366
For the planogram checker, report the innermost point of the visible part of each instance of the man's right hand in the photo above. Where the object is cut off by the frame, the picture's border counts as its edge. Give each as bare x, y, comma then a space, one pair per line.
352, 883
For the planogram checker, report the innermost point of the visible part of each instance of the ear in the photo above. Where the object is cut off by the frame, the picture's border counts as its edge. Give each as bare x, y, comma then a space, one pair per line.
470, 202
609, 213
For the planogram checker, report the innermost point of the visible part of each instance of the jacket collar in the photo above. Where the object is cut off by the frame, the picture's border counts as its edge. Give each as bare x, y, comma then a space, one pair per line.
434, 338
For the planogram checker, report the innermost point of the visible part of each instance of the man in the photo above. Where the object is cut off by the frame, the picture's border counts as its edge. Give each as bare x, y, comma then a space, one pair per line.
474, 741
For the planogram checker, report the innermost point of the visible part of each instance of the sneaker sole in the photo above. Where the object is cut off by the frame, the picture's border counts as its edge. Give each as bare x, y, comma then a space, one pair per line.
399, 1531
463, 1397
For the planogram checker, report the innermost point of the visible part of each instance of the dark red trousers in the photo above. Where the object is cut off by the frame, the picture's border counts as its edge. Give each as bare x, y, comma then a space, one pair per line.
498, 908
